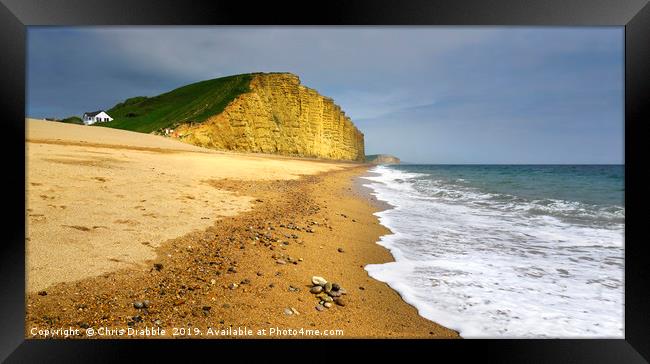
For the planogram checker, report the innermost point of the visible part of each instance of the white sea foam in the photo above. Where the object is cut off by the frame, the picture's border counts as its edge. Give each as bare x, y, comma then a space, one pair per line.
495, 266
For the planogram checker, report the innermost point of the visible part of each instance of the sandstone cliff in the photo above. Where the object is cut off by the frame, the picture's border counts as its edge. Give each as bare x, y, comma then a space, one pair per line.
279, 115
382, 159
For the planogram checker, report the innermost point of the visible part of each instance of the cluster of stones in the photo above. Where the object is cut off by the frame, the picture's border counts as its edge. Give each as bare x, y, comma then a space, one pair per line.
308, 229
263, 234
327, 293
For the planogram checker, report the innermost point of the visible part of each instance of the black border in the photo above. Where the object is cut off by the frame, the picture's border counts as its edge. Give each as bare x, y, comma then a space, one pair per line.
15, 15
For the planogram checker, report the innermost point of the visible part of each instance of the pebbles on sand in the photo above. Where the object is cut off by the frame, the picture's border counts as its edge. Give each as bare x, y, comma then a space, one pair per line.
326, 292
318, 281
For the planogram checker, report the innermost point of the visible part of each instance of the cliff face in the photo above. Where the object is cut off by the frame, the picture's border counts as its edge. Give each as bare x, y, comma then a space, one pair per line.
279, 115
382, 159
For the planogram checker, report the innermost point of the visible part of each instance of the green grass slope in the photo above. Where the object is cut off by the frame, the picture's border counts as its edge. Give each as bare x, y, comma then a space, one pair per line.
72, 120
191, 103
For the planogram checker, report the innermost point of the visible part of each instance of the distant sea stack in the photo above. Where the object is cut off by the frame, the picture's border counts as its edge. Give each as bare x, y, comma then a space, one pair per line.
382, 159
259, 112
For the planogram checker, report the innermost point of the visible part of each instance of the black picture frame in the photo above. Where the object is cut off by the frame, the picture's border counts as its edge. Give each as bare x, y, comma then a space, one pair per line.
16, 15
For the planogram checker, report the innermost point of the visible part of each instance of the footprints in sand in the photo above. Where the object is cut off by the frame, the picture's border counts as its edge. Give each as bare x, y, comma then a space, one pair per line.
78, 227
126, 259
37, 217
126, 222
62, 207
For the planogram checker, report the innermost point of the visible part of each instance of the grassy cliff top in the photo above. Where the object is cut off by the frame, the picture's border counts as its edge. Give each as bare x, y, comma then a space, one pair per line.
191, 103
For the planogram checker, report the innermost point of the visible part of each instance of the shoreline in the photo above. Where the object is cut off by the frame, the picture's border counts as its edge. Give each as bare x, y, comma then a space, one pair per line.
200, 294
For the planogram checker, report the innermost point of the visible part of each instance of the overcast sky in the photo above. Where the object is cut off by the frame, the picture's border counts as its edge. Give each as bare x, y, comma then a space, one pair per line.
424, 94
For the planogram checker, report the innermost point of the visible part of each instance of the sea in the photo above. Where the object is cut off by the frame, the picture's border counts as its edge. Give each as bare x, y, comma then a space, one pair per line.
506, 251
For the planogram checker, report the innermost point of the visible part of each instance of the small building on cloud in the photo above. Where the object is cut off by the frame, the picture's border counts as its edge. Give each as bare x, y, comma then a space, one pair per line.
100, 116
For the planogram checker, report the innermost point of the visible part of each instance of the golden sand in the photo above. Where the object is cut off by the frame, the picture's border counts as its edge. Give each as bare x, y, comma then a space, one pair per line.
101, 199
245, 266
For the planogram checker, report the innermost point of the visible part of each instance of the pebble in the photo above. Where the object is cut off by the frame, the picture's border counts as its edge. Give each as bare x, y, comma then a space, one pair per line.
158, 322
281, 262
233, 285
245, 281
316, 289
327, 304
179, 302
335, 287
318, 281
138, 304
288, 311
328, 287
334, 293
328, 299
320, 308
293, 289
146, 303
259, 274
340, 301
340, 250
158, 266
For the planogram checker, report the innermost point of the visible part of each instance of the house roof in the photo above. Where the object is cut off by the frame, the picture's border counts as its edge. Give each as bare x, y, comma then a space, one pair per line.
93, 113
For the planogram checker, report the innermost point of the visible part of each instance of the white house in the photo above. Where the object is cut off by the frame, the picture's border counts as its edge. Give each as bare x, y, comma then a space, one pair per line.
90, 118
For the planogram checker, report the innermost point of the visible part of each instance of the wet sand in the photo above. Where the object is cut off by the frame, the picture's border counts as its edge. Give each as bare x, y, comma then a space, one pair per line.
232, 242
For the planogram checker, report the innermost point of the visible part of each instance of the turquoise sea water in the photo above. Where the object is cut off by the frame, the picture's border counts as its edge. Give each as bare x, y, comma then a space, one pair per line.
507, 250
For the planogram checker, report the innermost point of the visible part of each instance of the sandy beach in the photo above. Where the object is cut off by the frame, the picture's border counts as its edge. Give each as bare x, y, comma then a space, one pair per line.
211, 241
